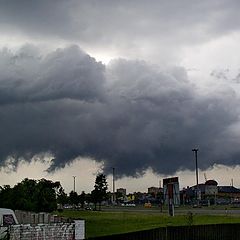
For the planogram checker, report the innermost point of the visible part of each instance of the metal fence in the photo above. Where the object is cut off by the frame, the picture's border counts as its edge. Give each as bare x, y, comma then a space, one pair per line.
199, 232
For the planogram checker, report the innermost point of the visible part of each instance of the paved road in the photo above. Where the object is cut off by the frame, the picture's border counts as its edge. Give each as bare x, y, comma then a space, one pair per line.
178, 211
210, 211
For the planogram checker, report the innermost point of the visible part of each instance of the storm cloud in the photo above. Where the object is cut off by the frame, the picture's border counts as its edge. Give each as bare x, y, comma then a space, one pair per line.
129, 114
137, 28
94, 19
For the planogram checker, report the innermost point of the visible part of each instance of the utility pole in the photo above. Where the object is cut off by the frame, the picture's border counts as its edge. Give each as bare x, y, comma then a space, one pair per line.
195, 150
74, 177
113, 173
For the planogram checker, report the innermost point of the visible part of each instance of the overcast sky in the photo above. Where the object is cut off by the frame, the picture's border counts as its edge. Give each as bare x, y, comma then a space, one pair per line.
86, 86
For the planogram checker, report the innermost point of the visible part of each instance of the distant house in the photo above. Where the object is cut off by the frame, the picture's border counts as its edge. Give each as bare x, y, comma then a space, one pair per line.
188, 195
154, 190
210, 191
229, 192
211, 188
122, 191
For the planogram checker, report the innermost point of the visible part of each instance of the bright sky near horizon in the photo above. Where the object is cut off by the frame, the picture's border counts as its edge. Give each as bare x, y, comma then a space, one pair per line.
133, 85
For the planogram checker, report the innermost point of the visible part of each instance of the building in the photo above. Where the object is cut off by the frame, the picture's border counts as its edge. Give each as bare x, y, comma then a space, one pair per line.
211, 188
207, 193
154, 190
211, 193
229, 192
122, 191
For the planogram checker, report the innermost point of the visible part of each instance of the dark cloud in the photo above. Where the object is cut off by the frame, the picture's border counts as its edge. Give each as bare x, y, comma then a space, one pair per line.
129, 27
130, 115
65, 73
36, 18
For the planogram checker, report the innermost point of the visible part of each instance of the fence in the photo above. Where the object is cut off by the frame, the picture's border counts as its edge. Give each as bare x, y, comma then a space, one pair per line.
53, 231
200, 232
25, 217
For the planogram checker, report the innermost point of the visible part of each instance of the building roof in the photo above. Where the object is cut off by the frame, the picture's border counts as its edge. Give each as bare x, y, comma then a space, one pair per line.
228, 189
211, 183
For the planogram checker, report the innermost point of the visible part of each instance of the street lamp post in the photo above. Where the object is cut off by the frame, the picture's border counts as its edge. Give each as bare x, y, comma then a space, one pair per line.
195, 150
74, 177
113, 173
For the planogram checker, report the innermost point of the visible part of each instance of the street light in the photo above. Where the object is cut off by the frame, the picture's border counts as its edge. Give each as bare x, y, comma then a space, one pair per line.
74, 177
113, 174
195, 150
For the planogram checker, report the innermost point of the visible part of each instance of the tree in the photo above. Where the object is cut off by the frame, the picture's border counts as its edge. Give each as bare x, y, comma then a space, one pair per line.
88, 198
73, 198
82, 198
25, 193
94, 198
31, 195
62, 198
6, 197
46, 195
100, 190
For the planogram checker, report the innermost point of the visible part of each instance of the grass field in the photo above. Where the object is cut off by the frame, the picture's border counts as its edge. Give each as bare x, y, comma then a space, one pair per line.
107, 223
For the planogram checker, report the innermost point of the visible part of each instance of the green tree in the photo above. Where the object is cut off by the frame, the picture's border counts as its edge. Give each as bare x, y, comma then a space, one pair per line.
73, 198
6, 197
31, 195
88, 198
100, 190
46, 195
62, 198
82, 199
25, 193
94, 198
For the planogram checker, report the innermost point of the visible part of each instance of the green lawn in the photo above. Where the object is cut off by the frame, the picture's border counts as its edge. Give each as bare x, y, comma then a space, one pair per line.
107, 223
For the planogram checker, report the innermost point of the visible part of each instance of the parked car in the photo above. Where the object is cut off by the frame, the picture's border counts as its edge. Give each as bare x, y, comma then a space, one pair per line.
88, 208
7, 217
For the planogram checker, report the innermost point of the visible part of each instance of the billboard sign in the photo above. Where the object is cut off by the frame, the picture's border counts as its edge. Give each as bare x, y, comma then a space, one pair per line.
171, 190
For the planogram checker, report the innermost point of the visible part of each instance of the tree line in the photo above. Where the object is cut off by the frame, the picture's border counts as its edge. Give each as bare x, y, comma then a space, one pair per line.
45, 195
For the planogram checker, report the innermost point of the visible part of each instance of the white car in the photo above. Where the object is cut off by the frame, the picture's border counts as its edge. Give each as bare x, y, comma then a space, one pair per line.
7, 217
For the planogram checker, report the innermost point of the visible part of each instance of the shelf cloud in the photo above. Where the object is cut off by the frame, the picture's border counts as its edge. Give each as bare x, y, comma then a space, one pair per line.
128, 114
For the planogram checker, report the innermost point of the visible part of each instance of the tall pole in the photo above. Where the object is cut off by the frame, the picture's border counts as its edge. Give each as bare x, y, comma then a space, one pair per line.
195, 150
113, 173
74, 177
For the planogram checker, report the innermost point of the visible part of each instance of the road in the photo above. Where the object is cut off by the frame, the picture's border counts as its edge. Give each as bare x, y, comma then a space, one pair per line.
178, 211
